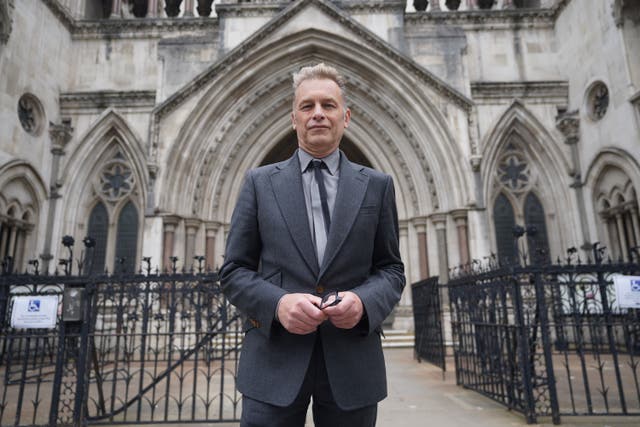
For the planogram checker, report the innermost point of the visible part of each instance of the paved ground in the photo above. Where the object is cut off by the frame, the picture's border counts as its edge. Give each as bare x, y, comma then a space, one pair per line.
419, 396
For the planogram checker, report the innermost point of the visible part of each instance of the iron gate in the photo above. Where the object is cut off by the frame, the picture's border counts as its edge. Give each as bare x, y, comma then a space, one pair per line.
134, 349
548, 340
427, 316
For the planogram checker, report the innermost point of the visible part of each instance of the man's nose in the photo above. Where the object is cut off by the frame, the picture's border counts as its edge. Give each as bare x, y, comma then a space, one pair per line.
318, 112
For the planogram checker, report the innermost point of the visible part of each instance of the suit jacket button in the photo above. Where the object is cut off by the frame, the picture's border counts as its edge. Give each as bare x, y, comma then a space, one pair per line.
319, 289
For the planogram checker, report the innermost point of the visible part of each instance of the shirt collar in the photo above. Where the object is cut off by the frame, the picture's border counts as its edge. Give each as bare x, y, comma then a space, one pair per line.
332, 160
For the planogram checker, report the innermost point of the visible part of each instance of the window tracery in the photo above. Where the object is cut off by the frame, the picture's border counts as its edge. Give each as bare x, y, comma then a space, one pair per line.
113, 219
516, 202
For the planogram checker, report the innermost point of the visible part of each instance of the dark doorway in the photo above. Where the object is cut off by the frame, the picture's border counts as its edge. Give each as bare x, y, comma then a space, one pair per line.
285, 148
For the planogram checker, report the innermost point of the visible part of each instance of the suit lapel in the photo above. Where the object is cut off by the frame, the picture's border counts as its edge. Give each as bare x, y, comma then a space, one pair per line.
286, 182
352, 187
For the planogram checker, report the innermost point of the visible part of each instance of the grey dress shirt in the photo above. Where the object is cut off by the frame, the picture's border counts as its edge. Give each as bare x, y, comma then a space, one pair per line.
312, 196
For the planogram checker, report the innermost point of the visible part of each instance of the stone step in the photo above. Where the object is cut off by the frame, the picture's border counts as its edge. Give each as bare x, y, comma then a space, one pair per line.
397, 339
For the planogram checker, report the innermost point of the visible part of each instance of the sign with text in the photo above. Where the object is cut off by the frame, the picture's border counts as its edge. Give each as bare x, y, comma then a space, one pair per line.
627, 291
34, 312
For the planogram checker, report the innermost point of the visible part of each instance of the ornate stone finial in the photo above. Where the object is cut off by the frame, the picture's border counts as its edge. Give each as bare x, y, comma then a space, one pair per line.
60, 136
569, 124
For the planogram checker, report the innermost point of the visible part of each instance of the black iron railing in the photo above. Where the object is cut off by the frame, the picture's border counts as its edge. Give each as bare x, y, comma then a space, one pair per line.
548, 339
135, 348
427, 316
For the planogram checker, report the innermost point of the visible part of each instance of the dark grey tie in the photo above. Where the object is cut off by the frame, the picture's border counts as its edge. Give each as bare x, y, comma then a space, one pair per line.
317, 166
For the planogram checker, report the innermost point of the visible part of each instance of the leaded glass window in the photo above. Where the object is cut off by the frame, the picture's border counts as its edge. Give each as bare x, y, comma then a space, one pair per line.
99, 230
504, 221
127, 238
534, 217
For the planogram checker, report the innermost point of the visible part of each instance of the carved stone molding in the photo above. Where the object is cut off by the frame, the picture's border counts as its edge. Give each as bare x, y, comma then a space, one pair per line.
491, 19
569, 124
129, 28
545, 92
91, 102
6, 20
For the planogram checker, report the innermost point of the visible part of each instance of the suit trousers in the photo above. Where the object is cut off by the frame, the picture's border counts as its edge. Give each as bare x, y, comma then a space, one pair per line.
326, 412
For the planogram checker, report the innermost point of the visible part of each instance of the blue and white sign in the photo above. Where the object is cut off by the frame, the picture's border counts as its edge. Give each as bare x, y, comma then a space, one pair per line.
37, 311
627, 291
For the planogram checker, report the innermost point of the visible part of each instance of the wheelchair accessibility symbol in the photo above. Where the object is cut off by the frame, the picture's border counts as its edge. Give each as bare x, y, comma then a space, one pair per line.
34, 306
635, 285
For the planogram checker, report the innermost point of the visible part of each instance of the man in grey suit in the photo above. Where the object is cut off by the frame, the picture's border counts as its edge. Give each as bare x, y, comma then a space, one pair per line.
312, 259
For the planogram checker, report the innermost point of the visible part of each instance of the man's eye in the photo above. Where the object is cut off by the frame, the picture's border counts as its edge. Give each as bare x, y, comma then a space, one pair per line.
329, 106
305, 107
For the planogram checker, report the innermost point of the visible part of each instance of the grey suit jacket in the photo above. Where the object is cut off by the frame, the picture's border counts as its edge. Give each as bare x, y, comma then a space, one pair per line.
270, 252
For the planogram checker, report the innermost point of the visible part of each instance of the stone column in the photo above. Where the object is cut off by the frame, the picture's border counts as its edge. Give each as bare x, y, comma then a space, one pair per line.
116, 13
622, 238
435, 5
188, 8
403, 227
508, 4
569, 124
211, 229
152, 8
170, 224
636, 224
423, 254
191, 228
460, 218
60, 136
440, 223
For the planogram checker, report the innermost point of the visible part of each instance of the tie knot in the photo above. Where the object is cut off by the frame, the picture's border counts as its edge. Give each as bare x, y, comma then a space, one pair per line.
318, 164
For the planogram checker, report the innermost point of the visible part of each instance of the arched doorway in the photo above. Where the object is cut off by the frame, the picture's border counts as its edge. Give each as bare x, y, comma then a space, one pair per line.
285, 148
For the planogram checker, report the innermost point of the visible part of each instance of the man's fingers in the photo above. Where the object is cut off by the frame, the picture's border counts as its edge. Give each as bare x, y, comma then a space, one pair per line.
298, 314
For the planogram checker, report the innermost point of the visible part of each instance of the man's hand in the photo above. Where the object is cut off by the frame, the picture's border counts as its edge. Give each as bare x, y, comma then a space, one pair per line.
347, 313
299, 313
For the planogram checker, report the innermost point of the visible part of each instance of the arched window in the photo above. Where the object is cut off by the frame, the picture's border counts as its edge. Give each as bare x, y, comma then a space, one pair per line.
99, 230
617, 206
517, 181
18, 219
127, 237
114, 221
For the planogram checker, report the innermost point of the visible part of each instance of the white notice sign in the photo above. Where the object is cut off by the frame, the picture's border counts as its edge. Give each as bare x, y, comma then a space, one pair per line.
627, 291
34, 311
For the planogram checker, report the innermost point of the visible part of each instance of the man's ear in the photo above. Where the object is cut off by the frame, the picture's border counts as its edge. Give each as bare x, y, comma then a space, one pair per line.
293, 120
347, 118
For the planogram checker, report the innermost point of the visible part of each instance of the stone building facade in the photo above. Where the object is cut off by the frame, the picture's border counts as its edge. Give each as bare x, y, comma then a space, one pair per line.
135, 121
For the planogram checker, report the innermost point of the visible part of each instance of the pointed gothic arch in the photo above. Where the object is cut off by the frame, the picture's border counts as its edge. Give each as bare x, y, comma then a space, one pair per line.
22, 199
613, 179
246, 111
521, 157
106, 168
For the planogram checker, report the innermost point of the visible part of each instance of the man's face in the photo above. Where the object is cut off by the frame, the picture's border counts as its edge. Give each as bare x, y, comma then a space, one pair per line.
319, 117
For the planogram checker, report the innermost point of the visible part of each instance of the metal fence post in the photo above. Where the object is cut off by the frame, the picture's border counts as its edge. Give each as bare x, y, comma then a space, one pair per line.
541, 307
523, 344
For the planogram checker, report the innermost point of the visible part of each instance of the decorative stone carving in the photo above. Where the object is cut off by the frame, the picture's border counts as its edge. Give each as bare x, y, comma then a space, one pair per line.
116, 180
597, 100
6, 20
60, 136
569, 124
31, 114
